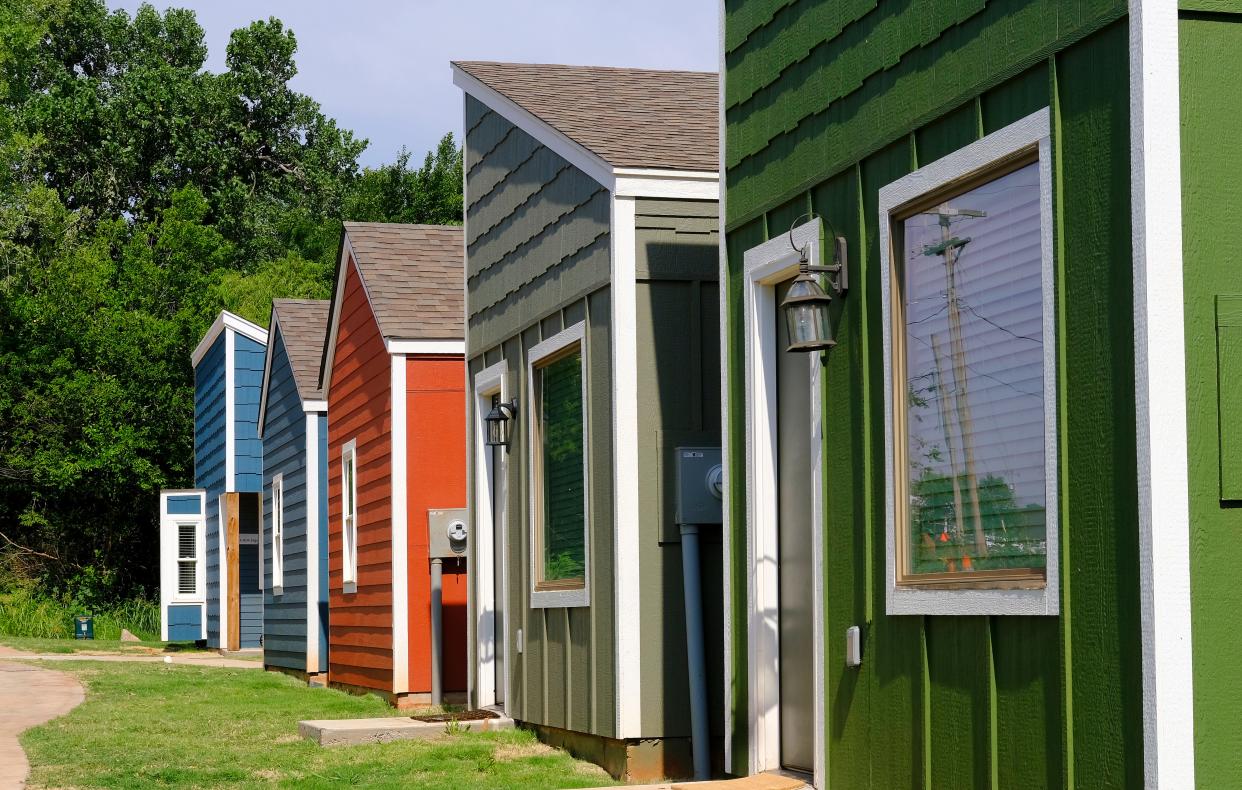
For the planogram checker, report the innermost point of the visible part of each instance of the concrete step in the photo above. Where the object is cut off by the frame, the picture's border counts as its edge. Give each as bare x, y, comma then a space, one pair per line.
347, 732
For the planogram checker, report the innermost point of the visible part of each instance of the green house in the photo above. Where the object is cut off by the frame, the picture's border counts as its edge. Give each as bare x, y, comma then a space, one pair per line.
982, 520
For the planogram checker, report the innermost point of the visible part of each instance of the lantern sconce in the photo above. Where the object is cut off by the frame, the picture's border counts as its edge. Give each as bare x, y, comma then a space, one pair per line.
499, 424
806, 303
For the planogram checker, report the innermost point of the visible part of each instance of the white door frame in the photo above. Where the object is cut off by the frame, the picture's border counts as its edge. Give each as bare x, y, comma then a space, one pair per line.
488, 527
766, 265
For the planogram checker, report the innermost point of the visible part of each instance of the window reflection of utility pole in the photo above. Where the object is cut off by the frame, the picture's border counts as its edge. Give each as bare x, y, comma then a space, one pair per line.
950, 248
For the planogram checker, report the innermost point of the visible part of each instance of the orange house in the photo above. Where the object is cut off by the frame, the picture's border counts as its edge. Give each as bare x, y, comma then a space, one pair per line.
393, 373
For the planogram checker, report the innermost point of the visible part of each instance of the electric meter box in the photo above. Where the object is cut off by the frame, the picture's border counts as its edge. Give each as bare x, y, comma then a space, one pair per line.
447, 532
700, 485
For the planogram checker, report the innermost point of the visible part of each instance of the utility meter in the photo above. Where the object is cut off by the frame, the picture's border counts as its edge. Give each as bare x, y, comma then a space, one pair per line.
700, 485
447, 532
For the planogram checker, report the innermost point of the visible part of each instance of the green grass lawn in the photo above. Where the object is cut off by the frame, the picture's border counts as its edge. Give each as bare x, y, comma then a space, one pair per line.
153, 725
49, 646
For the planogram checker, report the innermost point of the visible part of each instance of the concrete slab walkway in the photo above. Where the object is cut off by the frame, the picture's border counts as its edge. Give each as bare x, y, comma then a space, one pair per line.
29, 696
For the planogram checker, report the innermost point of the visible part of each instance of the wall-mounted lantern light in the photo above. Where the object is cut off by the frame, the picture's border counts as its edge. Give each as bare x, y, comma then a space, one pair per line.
806, 303
499, 423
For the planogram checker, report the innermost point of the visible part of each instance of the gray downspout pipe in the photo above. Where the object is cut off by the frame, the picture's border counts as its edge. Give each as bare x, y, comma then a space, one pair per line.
437, 634
696, 663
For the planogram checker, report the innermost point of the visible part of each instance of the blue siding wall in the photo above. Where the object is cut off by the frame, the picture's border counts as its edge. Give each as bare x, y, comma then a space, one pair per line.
323, 542
209, 467
184, 623
247, 386
187, 504
284, 452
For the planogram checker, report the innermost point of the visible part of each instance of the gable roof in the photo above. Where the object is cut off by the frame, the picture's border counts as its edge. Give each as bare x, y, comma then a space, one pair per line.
303, 324
231, 321
414, 280
630, 118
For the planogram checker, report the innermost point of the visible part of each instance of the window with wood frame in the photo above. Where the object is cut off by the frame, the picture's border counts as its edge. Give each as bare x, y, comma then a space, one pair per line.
278, 534
349, 515
558, 467
970, 342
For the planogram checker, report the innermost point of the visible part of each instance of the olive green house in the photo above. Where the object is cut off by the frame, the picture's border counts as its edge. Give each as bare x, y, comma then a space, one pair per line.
592, 340
982, 338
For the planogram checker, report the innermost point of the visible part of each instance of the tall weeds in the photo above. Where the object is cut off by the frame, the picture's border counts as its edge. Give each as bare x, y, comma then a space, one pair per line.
23, 612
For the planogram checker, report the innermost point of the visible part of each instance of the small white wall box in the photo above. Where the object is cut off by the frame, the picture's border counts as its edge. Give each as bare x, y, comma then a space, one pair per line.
699, 485
447, 532
853, 646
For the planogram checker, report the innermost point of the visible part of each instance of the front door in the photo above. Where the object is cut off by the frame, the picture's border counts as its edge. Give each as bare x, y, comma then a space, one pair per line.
498, 561
794, 550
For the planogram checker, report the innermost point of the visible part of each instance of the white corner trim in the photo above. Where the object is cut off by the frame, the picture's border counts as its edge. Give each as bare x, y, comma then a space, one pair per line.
312, 543
230, 321
488, 531
395, 346
230, 413
560, 599
314, 406
671, 184
572, 152
267, 371
764, 266
400, 532
726, 466
1027, 133
625, 493
1160, 396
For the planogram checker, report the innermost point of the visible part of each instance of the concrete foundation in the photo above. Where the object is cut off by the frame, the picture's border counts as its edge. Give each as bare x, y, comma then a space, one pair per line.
347, 732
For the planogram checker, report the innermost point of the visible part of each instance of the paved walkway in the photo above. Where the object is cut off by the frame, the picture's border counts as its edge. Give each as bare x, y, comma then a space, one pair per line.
184, 659
29, 696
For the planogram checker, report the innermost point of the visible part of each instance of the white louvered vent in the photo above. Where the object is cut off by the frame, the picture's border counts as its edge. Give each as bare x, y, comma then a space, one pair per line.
187, 559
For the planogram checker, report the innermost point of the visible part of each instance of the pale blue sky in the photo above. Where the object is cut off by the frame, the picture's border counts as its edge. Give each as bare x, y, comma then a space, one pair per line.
380, 67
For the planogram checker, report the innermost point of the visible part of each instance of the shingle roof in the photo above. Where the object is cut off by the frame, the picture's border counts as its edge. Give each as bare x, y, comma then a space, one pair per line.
627, 117
303, 325
414, 276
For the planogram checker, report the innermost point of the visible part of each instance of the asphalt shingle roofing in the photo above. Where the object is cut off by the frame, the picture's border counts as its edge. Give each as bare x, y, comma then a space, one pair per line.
414, 277
303, 326
627, 117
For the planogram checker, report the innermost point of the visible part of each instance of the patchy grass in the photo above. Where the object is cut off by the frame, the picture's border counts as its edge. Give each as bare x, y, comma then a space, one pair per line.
109, 646
153, 725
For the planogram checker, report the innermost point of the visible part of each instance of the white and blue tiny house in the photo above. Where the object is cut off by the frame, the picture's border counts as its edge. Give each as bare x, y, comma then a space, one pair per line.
228, 467
183, 573
293, 424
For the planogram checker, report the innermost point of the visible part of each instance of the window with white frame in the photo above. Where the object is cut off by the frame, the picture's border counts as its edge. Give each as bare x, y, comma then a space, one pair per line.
278, 534
187, 559
969, 356
558, 444
349, 515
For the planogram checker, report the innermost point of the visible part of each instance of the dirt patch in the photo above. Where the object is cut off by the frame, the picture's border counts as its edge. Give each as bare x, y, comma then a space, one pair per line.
287, 738
268, 774
521, 751
461, 715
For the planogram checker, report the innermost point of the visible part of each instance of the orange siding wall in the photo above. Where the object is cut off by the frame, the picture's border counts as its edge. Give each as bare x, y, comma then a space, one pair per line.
360, 408
436, 429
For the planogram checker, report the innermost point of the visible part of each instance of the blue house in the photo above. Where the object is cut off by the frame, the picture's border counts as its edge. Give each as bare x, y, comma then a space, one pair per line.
228, 474
293, 424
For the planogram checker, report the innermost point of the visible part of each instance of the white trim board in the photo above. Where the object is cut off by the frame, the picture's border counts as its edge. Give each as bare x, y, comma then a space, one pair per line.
559, 599
726, 466
488, 530
312, 543
625, 488
400, 531
1160, 396
230, 321
1029, 132
398, 346
764, 266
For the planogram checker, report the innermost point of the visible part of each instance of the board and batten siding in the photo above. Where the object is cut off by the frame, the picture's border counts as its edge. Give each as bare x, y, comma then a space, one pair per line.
1211, 96
678, 340
538, 260
360, 405
209, 466
825, 104
284, 453
536, 229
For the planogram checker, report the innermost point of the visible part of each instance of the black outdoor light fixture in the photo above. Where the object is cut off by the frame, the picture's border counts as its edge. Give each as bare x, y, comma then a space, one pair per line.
499, 423
806, 303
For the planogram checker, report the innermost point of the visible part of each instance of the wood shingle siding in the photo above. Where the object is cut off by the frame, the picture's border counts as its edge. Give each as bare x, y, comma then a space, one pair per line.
359, 402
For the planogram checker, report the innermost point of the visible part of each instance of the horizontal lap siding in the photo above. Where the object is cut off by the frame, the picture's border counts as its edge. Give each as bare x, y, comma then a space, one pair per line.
436, 478
248, 360
284, 453
537, 261
360, 408
678, 330
951, 701
209, 444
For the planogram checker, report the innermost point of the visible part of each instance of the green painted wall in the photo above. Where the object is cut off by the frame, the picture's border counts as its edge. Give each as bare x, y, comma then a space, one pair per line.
951, 701
1212, 208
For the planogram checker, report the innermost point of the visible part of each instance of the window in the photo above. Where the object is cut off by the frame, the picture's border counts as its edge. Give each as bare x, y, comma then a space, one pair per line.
278, 534
187, 559
349, 515
558, 470
969, 342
